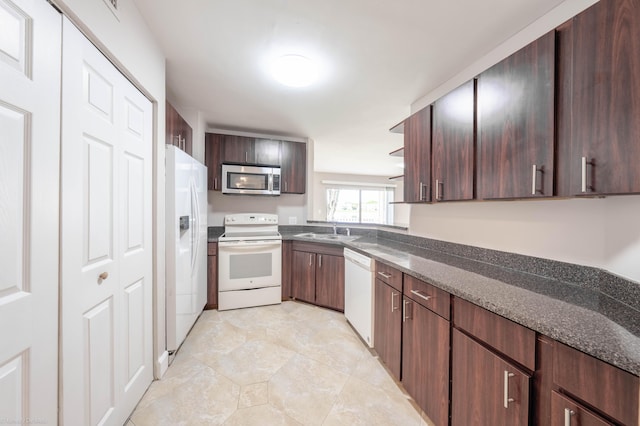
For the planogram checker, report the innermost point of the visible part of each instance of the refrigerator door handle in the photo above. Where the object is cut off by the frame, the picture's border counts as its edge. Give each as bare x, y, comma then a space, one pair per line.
195, 229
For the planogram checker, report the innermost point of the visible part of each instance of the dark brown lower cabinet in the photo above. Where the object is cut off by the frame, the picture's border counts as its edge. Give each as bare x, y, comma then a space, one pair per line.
303, 276
566, 412
607, 389
330, 281
387, 330
485, 388
425, 360
317, 274
212, 276
286, 270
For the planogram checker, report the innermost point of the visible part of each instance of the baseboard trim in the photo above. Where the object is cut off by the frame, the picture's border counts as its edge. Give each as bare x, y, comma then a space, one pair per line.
162, 364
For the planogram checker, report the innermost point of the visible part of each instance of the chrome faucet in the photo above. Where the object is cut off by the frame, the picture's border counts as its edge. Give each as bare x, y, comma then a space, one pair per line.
348, 232
335, 229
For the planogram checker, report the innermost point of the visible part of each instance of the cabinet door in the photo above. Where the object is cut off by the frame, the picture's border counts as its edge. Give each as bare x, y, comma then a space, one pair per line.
266, 152
293, 167
286, 270
303, 276
238, 149
425, 360
599, 112
177, 130
212, 282
565, 412
171, 125
213, 160
453, 144
388, 326
485, 389
417, 156
516, 124
330, 281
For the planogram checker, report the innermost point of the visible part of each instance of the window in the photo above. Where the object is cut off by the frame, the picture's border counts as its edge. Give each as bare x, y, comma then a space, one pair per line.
355, 204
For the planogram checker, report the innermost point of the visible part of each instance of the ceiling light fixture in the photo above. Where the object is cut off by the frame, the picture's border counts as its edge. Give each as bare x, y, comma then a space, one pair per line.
294, 70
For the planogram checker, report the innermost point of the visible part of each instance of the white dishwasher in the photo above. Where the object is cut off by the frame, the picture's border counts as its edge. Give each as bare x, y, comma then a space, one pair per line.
359, 293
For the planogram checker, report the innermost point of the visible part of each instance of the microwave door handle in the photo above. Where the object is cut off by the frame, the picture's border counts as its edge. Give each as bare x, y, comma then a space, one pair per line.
270, 182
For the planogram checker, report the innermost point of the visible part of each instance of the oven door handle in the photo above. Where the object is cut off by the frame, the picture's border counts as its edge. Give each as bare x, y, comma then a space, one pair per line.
249, 244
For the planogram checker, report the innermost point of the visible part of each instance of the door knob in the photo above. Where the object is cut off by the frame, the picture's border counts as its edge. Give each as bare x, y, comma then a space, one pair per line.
103, 276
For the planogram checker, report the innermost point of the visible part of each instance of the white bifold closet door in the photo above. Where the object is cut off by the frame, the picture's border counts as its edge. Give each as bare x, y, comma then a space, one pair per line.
29, 210
106, 252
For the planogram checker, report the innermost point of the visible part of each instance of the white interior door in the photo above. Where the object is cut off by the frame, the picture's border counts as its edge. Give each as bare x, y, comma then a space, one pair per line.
106, 330
29, 202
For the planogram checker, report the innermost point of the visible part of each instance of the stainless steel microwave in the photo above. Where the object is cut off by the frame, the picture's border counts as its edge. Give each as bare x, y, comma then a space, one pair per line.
251, 180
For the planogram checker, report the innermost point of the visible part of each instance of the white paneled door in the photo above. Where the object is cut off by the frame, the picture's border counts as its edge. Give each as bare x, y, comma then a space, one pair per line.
106, 286
29, 208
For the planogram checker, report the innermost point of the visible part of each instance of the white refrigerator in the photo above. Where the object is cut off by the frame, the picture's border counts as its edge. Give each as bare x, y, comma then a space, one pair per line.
186, 243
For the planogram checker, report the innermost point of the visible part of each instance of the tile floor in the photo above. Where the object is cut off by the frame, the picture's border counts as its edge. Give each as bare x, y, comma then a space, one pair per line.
288, 364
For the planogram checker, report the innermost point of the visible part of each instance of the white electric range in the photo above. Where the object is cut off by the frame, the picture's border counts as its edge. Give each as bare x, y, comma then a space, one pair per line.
249, 261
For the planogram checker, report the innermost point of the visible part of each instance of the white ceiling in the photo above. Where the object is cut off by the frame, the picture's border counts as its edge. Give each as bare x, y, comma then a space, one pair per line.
378, 56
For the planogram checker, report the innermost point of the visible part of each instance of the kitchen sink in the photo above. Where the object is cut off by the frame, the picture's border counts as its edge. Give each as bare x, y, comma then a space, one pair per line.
335, 237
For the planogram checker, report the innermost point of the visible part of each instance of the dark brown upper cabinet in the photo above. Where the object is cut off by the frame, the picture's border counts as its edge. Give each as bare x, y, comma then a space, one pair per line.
293, 160
213, 160
267, 152
238, 149
453, 145
417, 157
599, 101
177, 130
249, 150
516, 124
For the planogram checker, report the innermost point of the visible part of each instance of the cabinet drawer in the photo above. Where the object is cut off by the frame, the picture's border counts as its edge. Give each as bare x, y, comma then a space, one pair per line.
564, 410
319, 248
603, 386
212, 249
428, 296
513, 340
389, 275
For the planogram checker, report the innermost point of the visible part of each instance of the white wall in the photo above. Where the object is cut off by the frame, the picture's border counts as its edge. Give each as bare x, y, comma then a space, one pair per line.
603, 233
290, 208
129, 44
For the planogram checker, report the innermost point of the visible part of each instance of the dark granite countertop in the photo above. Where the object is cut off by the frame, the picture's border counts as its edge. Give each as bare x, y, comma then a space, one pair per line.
569, 310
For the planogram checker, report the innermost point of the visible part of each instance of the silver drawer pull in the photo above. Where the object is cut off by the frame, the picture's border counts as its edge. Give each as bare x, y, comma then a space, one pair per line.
507, 400
419, 294
387, 276
393, 305
568, 412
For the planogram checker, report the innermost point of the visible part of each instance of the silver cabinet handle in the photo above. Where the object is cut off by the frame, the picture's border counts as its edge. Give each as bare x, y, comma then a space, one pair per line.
568, 412
419, 294
319, 261
393, 305
438, 192
405, 315
585, 163
310, 259
534, 173
387, 276
246, 157
285, 186
507, 400
422, 197
584, 174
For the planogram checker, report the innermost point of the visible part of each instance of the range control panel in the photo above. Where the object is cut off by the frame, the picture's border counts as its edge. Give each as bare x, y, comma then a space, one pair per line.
251, 219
